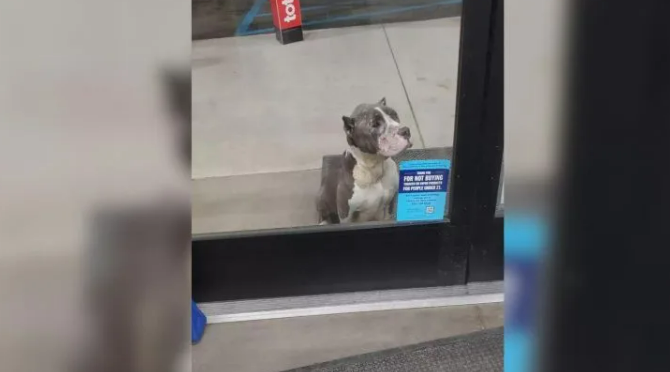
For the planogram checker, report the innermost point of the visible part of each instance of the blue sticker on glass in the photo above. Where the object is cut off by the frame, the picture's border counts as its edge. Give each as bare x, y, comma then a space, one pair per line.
422, 193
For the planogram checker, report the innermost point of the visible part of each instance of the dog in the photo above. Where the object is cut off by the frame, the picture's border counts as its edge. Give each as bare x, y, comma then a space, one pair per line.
363, 185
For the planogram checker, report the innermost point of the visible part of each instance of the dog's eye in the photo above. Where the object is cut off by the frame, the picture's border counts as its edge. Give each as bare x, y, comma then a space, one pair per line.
377, 124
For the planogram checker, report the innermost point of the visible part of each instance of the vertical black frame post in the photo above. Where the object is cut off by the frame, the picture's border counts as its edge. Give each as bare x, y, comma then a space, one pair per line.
472, 65
492, 127
478, 139
486, 259
478, 133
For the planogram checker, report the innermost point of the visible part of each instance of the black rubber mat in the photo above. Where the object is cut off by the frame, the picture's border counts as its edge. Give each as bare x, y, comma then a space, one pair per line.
476, 352
224, 18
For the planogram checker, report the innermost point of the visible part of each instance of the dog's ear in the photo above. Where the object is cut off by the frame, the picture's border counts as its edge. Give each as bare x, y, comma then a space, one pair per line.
382, 101
348, 124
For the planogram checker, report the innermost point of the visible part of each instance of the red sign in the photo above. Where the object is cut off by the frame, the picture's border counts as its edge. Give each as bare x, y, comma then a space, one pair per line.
286, 13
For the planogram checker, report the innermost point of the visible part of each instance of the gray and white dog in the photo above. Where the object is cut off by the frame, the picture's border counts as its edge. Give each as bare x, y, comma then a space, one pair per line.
364, 184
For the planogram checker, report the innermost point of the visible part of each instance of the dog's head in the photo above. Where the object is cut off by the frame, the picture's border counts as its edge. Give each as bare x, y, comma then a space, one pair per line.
375, 129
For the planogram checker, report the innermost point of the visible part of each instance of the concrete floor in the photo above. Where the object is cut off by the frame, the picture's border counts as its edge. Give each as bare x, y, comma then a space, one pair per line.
262, 107
269, 112
277, 345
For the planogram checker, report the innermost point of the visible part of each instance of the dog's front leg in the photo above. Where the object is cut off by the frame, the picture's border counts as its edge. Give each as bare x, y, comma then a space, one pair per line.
354, 216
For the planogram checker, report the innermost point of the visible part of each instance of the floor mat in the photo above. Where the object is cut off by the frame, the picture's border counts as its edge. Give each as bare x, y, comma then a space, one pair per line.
475, 352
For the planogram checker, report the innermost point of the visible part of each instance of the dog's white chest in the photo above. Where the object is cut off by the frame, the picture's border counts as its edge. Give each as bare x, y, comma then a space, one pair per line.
371, 199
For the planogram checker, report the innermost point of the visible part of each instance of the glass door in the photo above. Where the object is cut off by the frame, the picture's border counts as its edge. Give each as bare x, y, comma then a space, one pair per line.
334, 141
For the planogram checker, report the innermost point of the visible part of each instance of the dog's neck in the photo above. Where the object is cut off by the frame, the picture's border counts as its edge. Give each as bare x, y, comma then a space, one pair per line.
369, 168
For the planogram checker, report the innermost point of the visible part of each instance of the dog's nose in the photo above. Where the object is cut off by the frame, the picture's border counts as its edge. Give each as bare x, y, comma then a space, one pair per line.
404, 131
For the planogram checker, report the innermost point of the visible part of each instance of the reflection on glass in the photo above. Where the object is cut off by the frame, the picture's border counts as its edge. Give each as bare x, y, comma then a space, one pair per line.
353, 123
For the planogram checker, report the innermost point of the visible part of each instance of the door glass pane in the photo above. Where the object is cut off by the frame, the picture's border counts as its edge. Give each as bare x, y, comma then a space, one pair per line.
271, 122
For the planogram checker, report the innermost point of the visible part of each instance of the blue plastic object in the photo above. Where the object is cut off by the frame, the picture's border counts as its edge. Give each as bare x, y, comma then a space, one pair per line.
198, 323
526, 242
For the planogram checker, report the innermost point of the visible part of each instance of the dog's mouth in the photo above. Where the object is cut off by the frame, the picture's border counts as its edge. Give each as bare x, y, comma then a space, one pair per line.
393, 144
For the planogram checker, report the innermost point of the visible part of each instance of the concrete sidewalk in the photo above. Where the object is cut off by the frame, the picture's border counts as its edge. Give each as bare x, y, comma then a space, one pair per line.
269, 113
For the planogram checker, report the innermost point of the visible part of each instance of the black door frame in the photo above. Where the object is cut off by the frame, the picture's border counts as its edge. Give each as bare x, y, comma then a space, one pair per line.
365, 257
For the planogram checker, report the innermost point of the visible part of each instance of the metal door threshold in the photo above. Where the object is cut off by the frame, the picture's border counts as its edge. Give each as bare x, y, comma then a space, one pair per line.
289, 307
